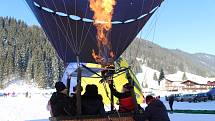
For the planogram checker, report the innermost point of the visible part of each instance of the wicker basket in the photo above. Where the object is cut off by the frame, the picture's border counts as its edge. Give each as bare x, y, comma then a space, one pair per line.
124, 117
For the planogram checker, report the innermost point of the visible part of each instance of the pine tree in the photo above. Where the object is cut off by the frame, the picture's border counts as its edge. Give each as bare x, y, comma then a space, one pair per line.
60, 69
22, 64
40, 75
184, 77
29, 75
1, 75
155, 76
161, 77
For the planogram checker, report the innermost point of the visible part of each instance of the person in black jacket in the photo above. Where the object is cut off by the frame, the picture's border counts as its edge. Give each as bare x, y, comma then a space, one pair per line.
91, 101
171, 100
156, 110
126, 102
61, 103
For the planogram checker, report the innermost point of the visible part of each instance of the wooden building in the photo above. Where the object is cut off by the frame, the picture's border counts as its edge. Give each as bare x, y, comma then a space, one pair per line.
173, 85
190, 85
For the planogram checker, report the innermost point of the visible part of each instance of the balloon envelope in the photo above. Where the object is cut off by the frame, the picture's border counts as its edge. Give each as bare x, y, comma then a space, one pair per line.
68, 25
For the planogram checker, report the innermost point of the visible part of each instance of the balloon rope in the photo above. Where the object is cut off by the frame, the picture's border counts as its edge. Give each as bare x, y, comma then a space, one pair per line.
85, 38
64, 28
68, 20
76, 31
143, 3
82, 32
141, 32
119, 44
46, 31
86, 34
58, 31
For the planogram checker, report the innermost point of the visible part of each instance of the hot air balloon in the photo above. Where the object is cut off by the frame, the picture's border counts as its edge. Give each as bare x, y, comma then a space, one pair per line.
69, 26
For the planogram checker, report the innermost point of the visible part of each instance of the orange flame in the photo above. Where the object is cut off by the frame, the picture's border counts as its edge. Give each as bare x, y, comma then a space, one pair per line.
103, 10
98, 58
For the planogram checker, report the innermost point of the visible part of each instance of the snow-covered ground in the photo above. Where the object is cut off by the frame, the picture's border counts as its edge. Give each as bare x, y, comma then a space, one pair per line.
21, 108
18, 107
210, 105
191, 117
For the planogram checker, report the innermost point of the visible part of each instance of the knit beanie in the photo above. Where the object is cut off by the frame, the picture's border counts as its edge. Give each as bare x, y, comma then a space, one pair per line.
60, 86
127, 86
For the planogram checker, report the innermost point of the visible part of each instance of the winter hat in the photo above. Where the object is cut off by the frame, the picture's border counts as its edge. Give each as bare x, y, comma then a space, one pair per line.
127, 86
60, 86
91, 90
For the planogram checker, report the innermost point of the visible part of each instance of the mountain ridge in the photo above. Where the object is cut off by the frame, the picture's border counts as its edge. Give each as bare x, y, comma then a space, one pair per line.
171, 60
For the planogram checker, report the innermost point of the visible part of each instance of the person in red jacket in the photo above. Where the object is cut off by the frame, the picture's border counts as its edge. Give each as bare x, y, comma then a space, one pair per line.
126, 102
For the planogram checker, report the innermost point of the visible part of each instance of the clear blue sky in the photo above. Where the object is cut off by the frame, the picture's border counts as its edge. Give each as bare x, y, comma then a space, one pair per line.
188, 25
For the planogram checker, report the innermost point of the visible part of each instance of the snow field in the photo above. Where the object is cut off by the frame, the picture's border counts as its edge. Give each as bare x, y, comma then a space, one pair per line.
21, 108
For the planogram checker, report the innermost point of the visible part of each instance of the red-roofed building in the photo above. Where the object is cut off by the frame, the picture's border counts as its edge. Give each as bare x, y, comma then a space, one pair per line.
189, 85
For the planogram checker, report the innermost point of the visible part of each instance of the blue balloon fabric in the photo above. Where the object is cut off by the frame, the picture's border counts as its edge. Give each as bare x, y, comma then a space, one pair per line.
69, 27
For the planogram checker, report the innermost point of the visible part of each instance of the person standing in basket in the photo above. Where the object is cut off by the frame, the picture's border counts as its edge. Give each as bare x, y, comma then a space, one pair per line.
126, 101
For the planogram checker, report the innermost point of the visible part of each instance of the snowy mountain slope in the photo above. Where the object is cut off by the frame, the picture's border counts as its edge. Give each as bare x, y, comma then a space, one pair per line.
146, 77
171, 60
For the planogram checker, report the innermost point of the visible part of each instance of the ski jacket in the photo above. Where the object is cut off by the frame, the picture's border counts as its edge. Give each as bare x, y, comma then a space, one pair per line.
62, 105
92, 105
171, 99
126, 102
156, 111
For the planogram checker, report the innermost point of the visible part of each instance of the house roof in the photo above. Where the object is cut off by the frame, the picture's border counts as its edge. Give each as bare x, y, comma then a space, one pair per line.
191, 81
177, 77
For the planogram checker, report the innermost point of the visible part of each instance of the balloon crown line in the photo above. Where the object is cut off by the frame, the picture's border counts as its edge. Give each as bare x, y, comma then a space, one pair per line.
78, 18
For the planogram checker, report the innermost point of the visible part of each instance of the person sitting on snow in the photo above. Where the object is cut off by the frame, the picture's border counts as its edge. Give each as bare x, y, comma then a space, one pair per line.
126, 101
61, 103
156, 110
91, 101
